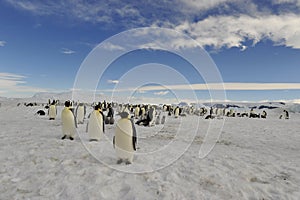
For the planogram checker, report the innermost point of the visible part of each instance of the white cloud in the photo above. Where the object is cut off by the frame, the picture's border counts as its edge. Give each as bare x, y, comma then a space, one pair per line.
67, 51
161, 93
198, 5
2, 43
94, 12
232, 23
8, 80
15, 85
141, 91
113, 81
233, 31
112, 47
227, 86
296, 2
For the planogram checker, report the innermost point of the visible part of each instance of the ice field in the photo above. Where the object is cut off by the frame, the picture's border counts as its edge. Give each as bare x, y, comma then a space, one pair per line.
252, 159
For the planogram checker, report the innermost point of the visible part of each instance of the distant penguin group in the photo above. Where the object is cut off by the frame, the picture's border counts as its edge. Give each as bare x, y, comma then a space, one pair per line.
125, 134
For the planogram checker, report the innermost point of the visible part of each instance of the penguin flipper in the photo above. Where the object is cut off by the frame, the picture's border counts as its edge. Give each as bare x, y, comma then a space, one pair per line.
75, 121
114, 142
134, 138
76, 110
134, 142
103, 124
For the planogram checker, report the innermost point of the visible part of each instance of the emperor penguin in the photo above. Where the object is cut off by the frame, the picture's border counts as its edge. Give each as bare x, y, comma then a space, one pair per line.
52, 111
157, 121
176, 112
252, 114
219, 112
125, 139
110, 115
137, 111
191, 110
151, 117
142, 112
164, 108
263, 115
104, 105
68, 122
285, 115
95, 126
80, 113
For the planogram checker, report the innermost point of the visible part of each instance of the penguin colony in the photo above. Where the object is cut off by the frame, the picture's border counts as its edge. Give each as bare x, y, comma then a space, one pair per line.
125, 138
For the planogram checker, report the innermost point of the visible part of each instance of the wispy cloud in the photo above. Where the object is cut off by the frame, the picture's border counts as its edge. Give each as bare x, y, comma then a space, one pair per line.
141, 91
14, 85
235, 31
88, 44
227, 86
232, 24
8, 79
113, 81
193, 5
67, 51
112, 47
292, 2
2, 43
161, 93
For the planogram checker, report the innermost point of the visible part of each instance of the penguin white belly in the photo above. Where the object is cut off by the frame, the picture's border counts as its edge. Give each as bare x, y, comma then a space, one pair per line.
152, 116
52, 112
157, 120
143, 113
176, 113
95, 126
80, 114
219, 112
123, 139
136, 113
165, 108
68, 123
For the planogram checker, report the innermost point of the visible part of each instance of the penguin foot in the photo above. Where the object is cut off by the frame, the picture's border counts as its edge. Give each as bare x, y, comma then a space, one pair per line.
71, 138
119, 161
64, 137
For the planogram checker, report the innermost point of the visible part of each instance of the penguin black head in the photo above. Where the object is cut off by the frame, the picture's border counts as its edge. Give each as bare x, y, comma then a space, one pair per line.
67, 104
124, 115
97, 107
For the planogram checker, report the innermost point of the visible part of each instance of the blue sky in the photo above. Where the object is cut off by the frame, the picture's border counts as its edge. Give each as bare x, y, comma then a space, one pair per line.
43, 43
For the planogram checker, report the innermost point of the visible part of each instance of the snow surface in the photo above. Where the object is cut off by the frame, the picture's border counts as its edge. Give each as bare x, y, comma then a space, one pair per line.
252, 159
